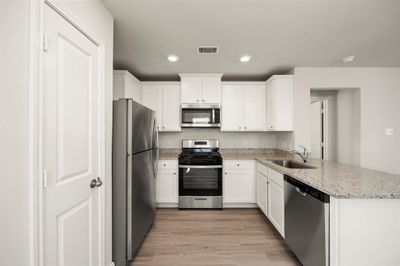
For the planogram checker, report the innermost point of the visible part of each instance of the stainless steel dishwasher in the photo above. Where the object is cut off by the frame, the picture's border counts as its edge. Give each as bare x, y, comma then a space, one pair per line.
307, 222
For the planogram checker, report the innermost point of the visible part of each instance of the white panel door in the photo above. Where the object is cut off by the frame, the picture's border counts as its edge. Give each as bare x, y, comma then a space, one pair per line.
191, 89
255, 107
316, 130
71, 146
171, 109
211, 90
152, 99
232, 108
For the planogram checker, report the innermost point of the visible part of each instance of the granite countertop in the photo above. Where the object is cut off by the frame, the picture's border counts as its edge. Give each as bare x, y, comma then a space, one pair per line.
336, 180
343, 181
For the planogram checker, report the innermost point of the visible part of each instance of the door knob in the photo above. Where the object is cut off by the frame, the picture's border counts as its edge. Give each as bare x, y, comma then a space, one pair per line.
96, 183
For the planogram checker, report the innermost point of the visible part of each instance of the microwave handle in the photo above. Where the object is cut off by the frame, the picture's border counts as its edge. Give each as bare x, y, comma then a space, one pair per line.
213, 116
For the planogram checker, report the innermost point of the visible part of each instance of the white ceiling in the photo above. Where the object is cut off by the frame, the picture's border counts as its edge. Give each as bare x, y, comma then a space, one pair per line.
278, 34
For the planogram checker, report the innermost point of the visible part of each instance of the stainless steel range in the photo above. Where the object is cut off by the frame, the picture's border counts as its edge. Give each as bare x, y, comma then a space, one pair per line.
200, 175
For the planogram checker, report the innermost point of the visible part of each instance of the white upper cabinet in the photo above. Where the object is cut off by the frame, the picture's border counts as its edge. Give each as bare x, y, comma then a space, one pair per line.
126, 85
164, 99
201, 88
254, 107
191, 89
171, 108
211, 89
232, 108
280, 103
243, 106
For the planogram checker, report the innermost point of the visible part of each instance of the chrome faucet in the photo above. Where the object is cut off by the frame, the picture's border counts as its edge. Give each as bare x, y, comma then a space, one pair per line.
305, 154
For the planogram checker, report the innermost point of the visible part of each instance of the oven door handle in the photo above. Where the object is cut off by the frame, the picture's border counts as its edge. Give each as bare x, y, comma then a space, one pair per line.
200, 166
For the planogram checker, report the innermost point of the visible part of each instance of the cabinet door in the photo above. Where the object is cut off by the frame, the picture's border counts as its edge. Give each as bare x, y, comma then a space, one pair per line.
255, 107
283, 104
232, 108
167, 183
190, 89
211, 90
239, 182
171, 111
262, 192
152, 99
132, 88
270, 105
276, 206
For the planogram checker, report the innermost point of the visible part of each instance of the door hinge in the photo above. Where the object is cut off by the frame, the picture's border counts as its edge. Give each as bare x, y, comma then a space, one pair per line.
44, 178
45, 42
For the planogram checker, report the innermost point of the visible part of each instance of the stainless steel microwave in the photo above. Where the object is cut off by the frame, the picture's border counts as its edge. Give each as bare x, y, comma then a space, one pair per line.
201, 115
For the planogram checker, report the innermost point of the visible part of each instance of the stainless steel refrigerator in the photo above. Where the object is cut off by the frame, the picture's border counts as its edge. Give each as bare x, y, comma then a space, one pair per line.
134, 168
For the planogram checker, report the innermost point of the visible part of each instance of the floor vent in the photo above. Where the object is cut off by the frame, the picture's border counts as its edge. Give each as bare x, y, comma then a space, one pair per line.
207, 50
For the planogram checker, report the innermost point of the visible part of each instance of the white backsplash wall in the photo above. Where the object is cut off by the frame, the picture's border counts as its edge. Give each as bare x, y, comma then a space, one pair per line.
226, 139
284, 140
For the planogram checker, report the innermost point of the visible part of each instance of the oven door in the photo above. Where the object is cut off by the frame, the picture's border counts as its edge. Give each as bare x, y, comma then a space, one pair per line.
200, 117
200, 180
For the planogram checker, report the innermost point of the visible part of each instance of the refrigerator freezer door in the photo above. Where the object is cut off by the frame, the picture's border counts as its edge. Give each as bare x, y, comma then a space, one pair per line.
142, 127
143, 198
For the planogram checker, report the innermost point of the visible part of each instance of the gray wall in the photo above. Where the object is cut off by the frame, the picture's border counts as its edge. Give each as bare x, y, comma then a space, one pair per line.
379, 109
226, 139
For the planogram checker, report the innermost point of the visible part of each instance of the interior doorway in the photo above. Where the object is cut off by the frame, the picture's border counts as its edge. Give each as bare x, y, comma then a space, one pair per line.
319, 129
336, 125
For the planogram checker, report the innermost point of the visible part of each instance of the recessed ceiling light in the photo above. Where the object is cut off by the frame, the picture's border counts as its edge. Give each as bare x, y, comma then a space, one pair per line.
348, 59
172, 58
245, 58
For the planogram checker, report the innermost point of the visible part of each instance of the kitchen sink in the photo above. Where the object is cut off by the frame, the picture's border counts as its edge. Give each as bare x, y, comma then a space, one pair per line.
292, 164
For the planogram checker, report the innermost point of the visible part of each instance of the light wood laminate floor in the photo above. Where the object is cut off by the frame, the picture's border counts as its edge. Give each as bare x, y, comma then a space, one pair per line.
230, 237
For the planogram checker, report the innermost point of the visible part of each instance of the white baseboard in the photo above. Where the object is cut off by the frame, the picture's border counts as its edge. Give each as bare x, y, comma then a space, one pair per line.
166, 205
240, 205
225, 205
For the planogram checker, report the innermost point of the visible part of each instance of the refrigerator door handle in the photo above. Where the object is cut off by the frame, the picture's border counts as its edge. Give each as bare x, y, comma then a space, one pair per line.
129, 244
155, 136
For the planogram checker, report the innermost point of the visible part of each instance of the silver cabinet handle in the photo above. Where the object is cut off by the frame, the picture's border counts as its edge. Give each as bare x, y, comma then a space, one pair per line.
245, 127
96, 183
174, 173
238, 165
202, 100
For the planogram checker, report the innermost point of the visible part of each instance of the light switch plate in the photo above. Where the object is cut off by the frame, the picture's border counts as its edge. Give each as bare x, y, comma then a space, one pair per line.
389, 131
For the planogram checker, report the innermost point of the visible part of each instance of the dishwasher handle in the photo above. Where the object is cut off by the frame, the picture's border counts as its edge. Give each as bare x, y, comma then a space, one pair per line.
301, 192
306, 190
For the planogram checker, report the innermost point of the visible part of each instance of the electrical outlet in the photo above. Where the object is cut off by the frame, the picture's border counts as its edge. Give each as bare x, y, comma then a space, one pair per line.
389, 131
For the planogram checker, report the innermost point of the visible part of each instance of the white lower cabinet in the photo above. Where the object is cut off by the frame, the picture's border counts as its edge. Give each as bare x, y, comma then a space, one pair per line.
167, 182
276, 207
262, 192
239, 181
270, 196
